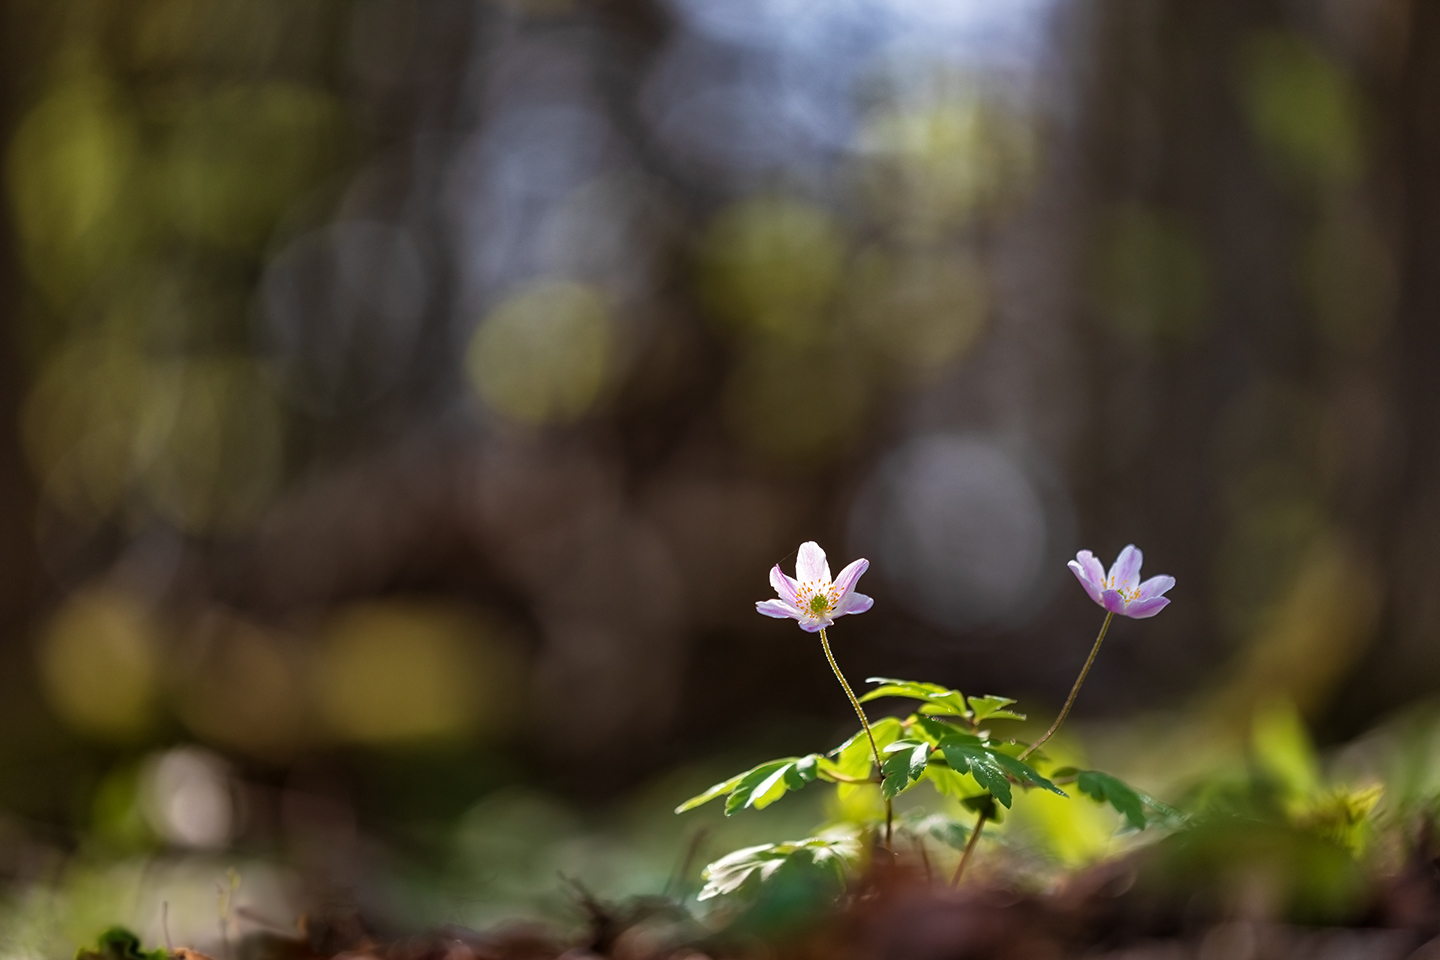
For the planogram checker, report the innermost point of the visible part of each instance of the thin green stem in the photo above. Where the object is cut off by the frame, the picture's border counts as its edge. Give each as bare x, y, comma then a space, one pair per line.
864, 722
969, 847
1075, 690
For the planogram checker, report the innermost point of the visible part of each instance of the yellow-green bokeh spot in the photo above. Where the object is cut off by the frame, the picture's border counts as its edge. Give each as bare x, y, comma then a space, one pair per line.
71, 173
195, 442
770, 265
79, 425
544, 355
397, 671
99, 661
1303, 108
929, 169
238, 158
1152, 279
209, 444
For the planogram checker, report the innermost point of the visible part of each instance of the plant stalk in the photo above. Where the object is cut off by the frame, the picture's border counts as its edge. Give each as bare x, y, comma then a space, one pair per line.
864, 722
1075, 690
969, 847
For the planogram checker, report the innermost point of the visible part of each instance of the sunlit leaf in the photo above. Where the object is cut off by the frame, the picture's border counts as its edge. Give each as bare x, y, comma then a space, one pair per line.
761, 785
968, 755
992, 706
937, 697
718, 790
904, 765
770, 789
991, 768
934, 730
1024, 772
854, 757
951, 783
802, 771
730, 872
755, 783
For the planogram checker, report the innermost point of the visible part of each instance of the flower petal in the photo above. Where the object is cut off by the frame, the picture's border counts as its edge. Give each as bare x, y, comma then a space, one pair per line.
810, 564
1156, 587
1141, 609
787, 588
1091, 587
778, 609
853, 571
853, 603
814, 626
1125, 573
1112, 601
1094, 569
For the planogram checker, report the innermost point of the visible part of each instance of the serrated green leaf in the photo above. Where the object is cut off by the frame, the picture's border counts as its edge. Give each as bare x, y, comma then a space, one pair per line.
972, 758
771, 781
951, 783
719, 789
854, 758
730, 872
1025, 773
991, 766
1006, 715
1104, 788
940, 699
895, 776
770, 789
741, 796
987, 706
1008, 747
934, 730
802, 771
912, 689
904, 765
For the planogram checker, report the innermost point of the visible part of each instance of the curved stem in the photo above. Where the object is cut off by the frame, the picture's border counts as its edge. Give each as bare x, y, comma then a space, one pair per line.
969, 847
1075, 690
864, 722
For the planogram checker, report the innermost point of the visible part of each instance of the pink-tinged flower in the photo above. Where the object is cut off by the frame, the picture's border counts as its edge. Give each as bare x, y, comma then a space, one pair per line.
814, 599
1121, 591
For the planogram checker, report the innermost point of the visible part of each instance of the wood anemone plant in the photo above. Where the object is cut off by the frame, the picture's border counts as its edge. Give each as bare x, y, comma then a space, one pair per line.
946, 742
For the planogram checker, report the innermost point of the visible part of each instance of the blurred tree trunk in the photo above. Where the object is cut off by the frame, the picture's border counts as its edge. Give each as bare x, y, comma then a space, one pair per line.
1408, 663
17, 543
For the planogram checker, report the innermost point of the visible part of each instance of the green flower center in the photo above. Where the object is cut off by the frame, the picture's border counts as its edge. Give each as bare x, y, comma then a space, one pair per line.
819, 604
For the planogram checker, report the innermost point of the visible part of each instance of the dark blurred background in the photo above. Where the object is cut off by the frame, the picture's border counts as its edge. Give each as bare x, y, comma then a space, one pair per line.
403, 401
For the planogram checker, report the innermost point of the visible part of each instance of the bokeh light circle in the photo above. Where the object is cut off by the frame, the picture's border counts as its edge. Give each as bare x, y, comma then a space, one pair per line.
958, 528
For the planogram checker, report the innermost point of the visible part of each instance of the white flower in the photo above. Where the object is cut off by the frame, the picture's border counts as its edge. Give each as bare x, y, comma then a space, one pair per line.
1120, 591
814, 599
